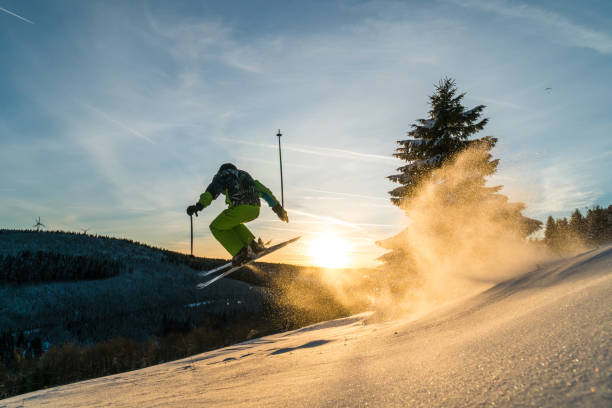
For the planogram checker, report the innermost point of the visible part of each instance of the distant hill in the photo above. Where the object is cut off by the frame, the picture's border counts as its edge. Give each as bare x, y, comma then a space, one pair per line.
153, 286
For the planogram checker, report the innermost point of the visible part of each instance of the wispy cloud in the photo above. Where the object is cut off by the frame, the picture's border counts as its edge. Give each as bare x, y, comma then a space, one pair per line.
571, 33
561, 188
16, 15
563, 198
499, 102
207, 40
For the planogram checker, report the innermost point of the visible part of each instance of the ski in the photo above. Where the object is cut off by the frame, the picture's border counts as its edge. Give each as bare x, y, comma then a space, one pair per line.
263, 253
217, 269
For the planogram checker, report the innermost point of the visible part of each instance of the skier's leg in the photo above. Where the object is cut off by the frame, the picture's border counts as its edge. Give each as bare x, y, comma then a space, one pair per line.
245, 235
249, 213
223, 226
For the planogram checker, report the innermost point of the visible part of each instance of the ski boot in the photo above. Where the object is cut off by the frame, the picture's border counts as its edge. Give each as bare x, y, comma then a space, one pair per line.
257, 246
249, 252
243, 256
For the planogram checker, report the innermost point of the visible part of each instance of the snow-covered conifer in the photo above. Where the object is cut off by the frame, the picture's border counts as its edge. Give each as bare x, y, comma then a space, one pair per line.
459, 189
438, 138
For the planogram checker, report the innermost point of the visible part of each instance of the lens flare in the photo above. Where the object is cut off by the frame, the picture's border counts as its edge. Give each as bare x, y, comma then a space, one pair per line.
329, 251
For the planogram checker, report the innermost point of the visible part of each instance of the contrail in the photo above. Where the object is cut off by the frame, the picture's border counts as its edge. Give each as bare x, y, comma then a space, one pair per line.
121, 125
327, 220
337, 221
342, 152
314, 190
271, 162
16, 15
318, 151
331, 220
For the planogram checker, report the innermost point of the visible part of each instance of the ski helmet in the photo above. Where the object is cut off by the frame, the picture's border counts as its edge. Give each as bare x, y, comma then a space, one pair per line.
227, 166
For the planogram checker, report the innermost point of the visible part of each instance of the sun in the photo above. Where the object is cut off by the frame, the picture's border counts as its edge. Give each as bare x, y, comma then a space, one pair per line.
329, 251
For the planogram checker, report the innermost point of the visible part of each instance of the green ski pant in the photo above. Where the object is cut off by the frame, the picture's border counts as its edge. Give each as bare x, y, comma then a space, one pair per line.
229, 230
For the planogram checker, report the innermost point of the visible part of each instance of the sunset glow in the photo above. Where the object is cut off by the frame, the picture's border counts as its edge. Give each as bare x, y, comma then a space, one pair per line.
327, 250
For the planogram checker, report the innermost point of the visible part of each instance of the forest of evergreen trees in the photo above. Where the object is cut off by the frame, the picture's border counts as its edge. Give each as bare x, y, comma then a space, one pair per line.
41, 266
580, 231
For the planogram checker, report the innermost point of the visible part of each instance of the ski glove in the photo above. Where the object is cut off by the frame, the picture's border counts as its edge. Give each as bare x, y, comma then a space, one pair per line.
280, 211
193, 209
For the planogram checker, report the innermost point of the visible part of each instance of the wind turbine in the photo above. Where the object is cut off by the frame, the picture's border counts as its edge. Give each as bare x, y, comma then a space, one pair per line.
39, 225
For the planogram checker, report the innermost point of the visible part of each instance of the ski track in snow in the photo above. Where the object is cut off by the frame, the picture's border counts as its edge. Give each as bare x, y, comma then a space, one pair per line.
543, 339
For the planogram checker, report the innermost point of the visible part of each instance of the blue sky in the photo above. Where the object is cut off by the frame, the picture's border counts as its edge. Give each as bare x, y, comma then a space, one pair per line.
116, 114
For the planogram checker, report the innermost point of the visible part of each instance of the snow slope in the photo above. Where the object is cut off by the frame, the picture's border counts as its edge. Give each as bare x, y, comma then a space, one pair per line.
544, 339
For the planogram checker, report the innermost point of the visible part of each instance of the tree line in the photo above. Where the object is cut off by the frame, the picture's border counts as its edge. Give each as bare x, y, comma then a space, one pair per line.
41, 266
580, 231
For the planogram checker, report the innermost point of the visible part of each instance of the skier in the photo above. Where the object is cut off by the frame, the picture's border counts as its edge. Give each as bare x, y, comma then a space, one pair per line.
242, 194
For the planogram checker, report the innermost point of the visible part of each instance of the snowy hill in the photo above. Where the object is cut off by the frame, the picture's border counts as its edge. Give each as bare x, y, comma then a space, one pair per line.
543, 339
130, 304
73, 300
153, 284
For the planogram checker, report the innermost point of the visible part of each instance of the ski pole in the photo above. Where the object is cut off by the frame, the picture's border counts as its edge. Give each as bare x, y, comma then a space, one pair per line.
280, 158
191, 222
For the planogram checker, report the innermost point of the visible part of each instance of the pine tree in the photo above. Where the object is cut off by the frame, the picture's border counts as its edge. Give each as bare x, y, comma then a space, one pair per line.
439, 139
580, 232
550, 234
436, 140
562, 226
608, 224
577, 224
563, 232
597, 223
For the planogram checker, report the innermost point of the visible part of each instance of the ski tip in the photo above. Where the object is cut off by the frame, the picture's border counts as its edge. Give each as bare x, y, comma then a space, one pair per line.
294, 239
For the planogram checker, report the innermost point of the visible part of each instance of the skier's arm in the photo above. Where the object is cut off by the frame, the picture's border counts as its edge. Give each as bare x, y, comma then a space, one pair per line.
205, 199
213, 190
265, 193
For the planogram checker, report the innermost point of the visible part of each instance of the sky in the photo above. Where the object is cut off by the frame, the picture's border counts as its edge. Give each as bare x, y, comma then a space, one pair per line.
115, 115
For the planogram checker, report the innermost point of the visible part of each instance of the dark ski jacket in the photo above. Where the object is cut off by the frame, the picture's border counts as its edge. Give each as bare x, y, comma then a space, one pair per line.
239, 189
